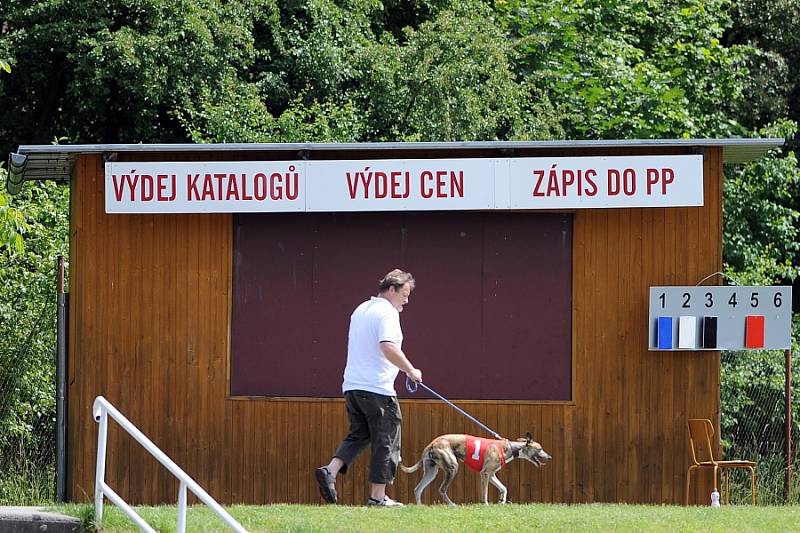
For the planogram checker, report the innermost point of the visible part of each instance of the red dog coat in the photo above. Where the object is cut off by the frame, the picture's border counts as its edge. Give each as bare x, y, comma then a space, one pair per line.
476, 451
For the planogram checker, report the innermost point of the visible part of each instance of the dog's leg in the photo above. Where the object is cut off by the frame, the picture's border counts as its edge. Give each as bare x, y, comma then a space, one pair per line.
502, 488
450, 467
485, 476
429, 474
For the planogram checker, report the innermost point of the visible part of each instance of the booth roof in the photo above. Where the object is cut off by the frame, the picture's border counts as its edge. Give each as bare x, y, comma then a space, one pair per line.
55, 162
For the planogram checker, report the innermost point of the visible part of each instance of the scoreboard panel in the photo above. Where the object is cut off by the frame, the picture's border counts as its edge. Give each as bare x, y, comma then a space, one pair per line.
720, 318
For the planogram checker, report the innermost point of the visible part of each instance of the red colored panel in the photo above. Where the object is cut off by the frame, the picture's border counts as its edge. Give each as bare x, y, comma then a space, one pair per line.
490, 317
754, 331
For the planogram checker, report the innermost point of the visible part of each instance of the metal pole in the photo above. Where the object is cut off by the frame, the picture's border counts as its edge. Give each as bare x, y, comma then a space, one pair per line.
788, 417
182, 508
61, 386
100, 471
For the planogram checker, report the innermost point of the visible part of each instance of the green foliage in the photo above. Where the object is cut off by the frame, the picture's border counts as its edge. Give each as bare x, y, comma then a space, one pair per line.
238, 114
751, 426
451, 79
335, 76
641, 69
774, 27
27, 480
124, 68
760, 229
12, 223
752, 417
27, 352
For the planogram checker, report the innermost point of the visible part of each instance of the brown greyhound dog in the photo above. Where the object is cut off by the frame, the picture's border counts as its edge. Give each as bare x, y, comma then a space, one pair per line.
486, 456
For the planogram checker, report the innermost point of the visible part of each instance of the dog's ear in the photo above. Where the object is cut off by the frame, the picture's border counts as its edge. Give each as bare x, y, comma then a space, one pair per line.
528, 437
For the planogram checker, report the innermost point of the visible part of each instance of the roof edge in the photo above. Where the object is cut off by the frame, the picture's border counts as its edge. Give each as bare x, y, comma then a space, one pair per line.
56, 161
767, 143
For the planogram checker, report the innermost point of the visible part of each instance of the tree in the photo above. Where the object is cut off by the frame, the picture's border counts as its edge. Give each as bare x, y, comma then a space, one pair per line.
451, 79
12, 223
760, 218
123, 69
773, 28
643, 69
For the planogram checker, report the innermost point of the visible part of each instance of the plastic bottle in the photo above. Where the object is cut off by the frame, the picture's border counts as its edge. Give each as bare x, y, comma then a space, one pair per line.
715, 498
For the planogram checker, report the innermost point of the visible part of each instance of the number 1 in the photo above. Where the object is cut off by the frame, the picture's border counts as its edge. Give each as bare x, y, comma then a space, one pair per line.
477, 454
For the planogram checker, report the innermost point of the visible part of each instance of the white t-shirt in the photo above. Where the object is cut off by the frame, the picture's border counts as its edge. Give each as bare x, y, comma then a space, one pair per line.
367, 368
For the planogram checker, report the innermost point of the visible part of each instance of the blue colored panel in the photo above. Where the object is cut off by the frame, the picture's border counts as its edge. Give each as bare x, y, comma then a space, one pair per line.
665, 333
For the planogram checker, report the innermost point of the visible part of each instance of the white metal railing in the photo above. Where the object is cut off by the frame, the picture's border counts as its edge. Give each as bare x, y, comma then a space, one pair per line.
101, 409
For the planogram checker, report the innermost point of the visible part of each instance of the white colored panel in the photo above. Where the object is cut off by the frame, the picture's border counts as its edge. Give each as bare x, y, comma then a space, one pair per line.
205, 187
404, 184
603, 182
687, 332
401, 185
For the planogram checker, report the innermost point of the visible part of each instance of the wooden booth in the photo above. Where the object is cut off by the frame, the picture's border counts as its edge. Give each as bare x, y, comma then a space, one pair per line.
211, 287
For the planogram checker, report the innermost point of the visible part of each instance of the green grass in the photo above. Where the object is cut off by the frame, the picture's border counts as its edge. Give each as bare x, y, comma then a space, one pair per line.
770, 482
416, 519
24, 483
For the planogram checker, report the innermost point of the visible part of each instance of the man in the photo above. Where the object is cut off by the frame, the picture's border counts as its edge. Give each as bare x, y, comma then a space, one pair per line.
374, 358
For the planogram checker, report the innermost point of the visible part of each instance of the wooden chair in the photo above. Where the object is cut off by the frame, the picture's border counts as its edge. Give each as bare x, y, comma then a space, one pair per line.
700, 432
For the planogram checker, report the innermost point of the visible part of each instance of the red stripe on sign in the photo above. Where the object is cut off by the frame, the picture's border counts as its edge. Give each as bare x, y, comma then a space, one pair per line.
754, 331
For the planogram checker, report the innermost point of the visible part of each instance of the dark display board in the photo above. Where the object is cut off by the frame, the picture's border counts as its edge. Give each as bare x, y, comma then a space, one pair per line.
490, 317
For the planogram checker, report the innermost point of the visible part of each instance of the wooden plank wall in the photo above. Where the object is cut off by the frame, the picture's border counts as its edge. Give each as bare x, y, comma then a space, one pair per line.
149, 330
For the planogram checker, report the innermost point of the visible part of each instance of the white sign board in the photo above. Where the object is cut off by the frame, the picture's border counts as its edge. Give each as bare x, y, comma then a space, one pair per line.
601, 182
405, 184
401, 185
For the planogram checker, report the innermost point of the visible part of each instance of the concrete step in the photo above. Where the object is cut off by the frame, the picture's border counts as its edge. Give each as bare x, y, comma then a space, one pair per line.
36, 519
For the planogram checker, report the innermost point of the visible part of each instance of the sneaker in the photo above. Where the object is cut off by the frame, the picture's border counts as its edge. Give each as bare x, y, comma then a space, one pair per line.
327, 484
385, 502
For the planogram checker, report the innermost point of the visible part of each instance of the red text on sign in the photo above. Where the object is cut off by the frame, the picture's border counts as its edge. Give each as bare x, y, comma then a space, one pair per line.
394, 184
563, 182
160, 188
441, 184
659, 178
243, 186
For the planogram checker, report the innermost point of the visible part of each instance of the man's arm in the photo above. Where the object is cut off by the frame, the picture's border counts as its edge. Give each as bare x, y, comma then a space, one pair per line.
396, 356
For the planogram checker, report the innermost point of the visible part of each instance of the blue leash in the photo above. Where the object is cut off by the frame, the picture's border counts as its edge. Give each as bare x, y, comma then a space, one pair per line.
411, 386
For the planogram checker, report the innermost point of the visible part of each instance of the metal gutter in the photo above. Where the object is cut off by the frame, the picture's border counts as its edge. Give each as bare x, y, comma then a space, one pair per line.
41, 162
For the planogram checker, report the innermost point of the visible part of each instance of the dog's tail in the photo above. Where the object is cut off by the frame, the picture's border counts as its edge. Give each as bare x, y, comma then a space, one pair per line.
409, 469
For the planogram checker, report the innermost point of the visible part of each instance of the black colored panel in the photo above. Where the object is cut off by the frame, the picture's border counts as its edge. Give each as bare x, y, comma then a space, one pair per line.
709, 332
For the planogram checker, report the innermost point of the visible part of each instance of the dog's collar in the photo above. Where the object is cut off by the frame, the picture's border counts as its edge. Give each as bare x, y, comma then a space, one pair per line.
514, 453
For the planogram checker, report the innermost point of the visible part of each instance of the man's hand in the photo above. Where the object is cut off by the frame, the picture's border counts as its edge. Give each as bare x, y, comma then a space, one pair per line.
415, 374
